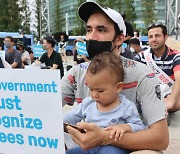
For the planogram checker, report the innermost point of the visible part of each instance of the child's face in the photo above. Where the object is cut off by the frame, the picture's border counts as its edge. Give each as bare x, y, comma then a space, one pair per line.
104, 88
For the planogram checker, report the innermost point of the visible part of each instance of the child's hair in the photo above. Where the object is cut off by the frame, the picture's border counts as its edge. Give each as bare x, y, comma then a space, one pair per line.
108, 61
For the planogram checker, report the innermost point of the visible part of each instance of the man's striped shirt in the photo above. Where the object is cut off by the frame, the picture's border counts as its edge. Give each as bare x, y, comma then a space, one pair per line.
169, 62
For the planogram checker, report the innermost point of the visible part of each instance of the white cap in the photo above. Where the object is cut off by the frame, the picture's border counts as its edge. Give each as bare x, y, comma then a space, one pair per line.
88, 8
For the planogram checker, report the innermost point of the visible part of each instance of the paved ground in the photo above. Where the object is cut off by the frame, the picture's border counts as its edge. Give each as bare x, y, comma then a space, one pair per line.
174, 132
174, 128
175, 44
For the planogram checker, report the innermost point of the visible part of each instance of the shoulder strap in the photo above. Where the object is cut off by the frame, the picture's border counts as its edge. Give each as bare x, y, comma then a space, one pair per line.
163, 77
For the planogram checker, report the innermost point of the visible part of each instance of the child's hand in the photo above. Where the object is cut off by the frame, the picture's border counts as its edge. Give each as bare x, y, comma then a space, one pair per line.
117, 131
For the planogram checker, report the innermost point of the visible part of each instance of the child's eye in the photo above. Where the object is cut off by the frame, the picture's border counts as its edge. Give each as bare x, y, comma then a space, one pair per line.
100, 91
90, 89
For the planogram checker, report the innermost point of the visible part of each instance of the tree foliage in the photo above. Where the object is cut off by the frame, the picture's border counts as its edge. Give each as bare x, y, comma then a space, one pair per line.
37, 11
10, 19
26, 13
57, 17
80, 25
122, 6
148, 13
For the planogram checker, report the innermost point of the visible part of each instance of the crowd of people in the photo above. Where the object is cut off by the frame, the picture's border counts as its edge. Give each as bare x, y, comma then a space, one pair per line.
19, 55
124, 94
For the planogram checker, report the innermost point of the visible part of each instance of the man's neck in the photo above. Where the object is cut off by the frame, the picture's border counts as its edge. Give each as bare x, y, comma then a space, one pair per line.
139, 49
159, 52
10, 49
50, 51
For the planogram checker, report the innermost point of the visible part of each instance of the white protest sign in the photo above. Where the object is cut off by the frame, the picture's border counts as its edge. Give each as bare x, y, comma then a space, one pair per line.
31, 112
2, 54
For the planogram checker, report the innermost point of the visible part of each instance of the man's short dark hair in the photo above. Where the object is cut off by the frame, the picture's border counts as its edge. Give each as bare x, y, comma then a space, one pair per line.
117, 30
134, 41
10, 37
160, 25
50, 40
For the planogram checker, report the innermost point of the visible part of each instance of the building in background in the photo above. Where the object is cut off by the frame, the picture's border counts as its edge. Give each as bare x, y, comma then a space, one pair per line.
160, 12
67, 14
68, 10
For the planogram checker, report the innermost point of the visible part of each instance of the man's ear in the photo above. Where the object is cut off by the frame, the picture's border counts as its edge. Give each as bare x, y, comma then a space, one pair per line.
119, 86
119, 40
166, 37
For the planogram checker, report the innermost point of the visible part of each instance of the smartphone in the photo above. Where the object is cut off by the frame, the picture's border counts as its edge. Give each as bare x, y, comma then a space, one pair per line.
67, 124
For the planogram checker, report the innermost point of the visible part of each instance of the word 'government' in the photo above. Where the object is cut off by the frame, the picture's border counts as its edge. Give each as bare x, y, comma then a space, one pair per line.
29, 87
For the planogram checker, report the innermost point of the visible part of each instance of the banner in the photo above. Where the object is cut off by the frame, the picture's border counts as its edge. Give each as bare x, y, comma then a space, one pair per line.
38, 50
31, 112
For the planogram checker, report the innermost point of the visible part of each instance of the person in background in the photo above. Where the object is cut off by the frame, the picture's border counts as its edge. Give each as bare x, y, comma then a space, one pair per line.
62, 50
134, 45
12, 56
51, 58
105, 31
125, 52
24, 40
105, 107
165, 62
1, 46
129, 30
136, 34
31, 54
25, 54
79, 58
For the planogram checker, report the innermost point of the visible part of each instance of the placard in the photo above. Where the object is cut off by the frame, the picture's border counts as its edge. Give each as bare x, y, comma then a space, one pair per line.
38, 50
31, 112
81, 49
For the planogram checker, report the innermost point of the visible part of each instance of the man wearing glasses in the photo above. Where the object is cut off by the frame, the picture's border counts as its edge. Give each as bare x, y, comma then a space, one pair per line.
166, 64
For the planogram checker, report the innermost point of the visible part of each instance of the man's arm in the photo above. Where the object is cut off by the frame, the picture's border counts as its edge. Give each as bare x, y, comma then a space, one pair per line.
14, 64
156, 137
173, 100
55, 66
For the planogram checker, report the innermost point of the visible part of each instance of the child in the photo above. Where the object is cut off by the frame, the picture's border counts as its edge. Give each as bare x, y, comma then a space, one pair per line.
106, 107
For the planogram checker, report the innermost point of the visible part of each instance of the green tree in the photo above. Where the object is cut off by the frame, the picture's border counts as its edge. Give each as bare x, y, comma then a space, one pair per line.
4, 17
57, 15
118, 5
107, 3
148, 13
80, 26
38, 17
10, 20
26, 13
130, 12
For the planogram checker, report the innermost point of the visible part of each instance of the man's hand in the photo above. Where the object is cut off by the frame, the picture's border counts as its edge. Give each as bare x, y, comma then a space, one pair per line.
117, 131
169, 102
93, 137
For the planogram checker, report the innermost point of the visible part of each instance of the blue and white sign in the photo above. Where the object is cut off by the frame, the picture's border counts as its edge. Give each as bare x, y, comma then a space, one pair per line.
31, 112
38, 50
81, 49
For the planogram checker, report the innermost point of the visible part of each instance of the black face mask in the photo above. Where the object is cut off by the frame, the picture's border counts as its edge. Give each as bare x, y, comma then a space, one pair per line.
96, 47
17, 48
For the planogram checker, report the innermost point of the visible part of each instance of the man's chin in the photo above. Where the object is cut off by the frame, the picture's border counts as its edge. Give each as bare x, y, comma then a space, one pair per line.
155, 48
